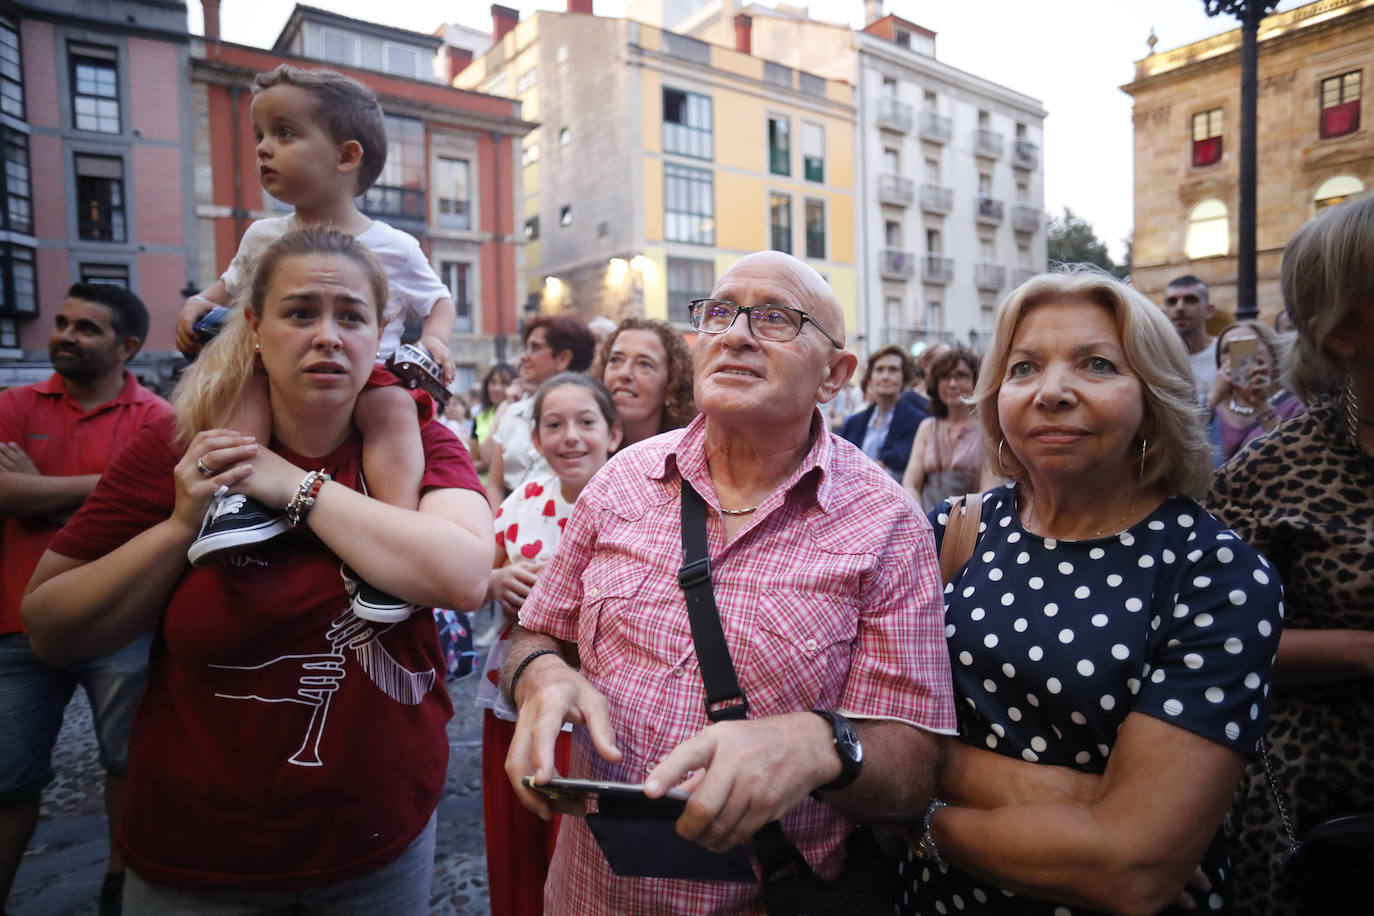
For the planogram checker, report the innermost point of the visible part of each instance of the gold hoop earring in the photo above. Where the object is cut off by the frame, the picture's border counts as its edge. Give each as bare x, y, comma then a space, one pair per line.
1143, 443
1000, 466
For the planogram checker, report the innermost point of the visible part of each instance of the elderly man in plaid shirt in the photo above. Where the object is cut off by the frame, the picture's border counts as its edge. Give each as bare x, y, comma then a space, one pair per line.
829, 596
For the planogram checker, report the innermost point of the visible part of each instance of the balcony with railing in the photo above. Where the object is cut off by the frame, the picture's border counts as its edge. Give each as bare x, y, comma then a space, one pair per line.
1025, 154
894, 115
937, 200
895, 190
896, 263
988, 143
1026, 219
937, 269
988, 210
991, 277
1020, 275
935, 127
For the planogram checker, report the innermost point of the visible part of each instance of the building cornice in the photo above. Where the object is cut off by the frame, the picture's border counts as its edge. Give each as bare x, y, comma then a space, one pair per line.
882, 50
1223, 50
229, 73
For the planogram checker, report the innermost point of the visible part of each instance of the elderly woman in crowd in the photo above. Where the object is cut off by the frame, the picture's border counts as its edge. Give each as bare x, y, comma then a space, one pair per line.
884, 430
1244, 411
553, 344
1109, 639
646, 366
947, 455
1304, 498
286, 753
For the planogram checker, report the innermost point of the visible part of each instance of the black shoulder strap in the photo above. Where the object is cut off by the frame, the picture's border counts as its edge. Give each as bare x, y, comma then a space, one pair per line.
724, 698
778, 858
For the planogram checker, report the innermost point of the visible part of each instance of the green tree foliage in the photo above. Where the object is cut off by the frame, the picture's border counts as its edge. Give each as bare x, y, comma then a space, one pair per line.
1072, 241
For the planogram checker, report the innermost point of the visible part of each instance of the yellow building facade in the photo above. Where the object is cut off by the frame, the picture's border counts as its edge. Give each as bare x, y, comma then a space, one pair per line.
661, 159
1315, 145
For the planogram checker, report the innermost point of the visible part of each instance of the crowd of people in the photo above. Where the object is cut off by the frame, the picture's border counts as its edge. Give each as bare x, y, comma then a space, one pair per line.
1085, 621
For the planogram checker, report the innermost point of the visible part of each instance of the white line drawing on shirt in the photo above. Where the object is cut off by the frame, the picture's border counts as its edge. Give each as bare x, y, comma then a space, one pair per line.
312, 679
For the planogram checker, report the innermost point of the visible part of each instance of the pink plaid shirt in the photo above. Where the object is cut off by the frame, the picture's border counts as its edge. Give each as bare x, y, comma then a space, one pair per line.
830, 598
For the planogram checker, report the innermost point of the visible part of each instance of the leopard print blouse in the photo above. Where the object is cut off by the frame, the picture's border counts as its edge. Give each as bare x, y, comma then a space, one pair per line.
1303, 496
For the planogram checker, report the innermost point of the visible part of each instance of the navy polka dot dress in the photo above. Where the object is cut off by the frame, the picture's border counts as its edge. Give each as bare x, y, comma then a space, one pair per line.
1053, 643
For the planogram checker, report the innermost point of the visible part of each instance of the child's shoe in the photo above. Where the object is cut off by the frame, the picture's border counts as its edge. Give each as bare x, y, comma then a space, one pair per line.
371, 603
233, 523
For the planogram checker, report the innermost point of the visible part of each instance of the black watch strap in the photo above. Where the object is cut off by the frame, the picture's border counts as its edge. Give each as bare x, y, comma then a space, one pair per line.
847, 747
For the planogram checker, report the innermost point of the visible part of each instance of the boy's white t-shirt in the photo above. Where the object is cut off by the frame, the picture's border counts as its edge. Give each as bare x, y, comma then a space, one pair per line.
411, 281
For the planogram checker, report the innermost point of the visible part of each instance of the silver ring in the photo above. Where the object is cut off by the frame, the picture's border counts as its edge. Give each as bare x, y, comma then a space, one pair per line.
204, 468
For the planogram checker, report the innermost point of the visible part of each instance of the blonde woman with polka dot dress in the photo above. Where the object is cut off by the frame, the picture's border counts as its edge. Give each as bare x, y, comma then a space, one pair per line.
1110, 641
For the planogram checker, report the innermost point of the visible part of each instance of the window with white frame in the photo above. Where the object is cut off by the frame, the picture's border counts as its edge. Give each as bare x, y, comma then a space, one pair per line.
341, 47
401, 60
455, 275
452, 183
95, 88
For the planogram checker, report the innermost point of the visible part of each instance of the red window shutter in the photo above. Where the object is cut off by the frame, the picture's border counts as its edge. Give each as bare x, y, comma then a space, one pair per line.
1342, 119
1206, 152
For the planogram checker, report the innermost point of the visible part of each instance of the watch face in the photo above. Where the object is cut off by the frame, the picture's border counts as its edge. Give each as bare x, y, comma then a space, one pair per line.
849, 745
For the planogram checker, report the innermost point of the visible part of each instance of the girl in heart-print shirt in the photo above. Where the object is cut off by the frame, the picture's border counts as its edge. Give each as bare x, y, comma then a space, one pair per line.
575, 429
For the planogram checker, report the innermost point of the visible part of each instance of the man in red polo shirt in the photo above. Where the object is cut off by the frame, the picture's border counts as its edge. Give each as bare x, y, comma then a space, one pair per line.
56, 437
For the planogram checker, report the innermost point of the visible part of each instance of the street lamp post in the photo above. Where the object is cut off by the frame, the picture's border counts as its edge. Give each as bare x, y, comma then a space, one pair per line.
1249, 12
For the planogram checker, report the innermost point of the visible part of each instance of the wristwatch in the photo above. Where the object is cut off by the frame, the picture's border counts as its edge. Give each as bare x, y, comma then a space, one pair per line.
847, 746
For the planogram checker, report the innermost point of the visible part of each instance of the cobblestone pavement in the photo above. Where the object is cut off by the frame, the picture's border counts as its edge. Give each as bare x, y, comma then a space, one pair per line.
65, 863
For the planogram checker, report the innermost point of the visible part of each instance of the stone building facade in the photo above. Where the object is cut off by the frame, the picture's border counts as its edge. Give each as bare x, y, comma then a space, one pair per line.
1315, 145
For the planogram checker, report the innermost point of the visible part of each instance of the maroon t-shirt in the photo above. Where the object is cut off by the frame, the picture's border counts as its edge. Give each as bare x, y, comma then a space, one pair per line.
281, 742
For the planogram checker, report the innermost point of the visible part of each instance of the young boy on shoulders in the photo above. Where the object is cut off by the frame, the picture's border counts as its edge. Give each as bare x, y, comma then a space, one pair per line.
321, 144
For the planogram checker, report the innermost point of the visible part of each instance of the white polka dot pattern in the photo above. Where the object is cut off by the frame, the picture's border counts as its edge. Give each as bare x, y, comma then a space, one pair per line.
1175, 619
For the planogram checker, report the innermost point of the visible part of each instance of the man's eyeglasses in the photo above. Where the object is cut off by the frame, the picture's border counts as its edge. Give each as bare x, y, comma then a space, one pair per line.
779, 323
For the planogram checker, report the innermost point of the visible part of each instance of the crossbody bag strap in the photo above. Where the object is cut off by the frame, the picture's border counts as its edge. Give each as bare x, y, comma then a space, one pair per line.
961, 534
725, 699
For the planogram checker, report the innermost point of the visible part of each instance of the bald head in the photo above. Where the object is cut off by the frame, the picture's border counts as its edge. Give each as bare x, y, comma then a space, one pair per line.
809, 288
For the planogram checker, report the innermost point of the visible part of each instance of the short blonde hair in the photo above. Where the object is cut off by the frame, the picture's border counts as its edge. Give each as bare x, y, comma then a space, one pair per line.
1177, 455
1327, 272
211, 388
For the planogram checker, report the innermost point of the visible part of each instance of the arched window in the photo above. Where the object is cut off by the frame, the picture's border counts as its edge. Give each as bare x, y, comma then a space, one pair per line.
1335, 190
1209, 231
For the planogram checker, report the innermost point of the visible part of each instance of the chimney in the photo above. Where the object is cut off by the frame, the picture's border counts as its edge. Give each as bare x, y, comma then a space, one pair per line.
456, 60
744, 33
873, 11
503, 19
580, 6
211, 10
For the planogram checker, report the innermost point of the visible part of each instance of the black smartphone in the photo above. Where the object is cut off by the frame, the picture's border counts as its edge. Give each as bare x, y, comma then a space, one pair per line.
673, 801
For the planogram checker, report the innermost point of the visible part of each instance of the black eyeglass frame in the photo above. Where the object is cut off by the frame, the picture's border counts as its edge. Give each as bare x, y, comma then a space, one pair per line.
694, 308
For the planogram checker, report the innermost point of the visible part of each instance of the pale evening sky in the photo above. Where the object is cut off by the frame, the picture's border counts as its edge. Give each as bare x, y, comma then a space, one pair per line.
1070, 54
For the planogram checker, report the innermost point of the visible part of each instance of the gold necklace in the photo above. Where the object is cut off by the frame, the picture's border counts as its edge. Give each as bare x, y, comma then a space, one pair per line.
725, 511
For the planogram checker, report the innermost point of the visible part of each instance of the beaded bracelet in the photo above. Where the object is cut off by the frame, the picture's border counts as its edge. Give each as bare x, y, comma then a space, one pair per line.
301, 504
925, 847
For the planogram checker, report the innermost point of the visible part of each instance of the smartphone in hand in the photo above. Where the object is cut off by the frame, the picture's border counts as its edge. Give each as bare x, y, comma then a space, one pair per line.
1242, 353
559, 789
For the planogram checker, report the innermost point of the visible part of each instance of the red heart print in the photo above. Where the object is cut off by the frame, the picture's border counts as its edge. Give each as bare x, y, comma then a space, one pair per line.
531, 550
532, 490
500, 538
548, 508
498, 512
562, 523
510, 533
494, 677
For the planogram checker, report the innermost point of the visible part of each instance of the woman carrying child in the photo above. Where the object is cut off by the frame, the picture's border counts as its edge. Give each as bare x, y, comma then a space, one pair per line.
321, 144
286, 754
